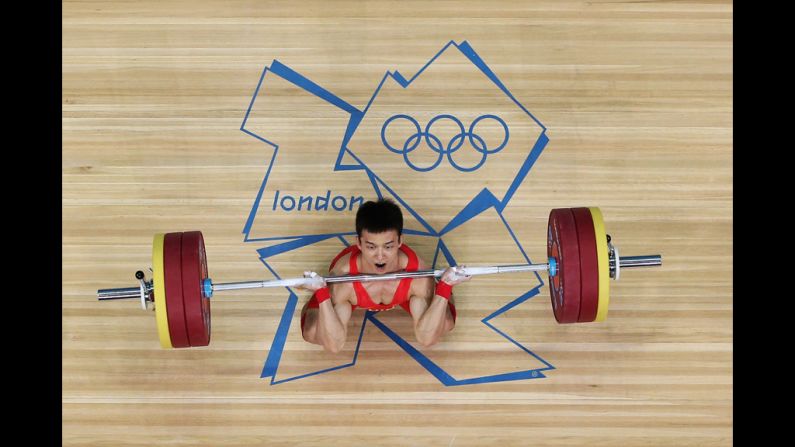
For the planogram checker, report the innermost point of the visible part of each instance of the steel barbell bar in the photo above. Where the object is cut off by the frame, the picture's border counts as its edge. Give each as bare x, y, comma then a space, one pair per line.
210, 288
581, 260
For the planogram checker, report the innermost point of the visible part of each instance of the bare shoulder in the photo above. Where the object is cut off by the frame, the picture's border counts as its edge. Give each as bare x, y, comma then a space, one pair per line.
342, 266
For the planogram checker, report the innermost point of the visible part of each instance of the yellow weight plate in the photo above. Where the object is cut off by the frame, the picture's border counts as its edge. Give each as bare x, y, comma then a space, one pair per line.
159, 279
603, 262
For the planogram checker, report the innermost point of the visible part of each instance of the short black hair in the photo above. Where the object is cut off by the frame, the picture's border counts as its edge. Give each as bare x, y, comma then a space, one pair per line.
377, 217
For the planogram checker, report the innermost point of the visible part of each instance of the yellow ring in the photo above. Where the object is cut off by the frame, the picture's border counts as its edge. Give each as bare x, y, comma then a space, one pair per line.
603, 263
161, 315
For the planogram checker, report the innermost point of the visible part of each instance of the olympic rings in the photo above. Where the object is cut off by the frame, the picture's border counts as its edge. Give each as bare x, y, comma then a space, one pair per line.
455, 143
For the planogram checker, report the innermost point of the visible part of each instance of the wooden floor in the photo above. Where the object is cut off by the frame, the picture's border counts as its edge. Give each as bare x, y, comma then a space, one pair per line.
636, 99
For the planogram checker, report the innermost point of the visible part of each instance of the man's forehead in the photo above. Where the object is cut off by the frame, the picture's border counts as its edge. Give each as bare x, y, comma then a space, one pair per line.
379, 238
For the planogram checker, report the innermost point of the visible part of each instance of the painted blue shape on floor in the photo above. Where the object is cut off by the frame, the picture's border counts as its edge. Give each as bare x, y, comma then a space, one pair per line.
347, 160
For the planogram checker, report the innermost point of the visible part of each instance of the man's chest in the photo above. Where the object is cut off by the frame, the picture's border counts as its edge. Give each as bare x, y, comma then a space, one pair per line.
380, 292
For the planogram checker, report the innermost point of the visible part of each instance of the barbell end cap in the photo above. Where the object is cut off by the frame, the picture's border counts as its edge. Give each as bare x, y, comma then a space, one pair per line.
553, 267
208, 288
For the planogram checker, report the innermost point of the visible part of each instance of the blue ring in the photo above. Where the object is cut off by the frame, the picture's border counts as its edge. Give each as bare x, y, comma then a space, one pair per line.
499, 120
207, 284
386, 123
412, 165
461, 134
477, 165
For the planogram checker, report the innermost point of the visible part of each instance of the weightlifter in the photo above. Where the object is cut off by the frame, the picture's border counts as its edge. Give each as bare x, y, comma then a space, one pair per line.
379, 249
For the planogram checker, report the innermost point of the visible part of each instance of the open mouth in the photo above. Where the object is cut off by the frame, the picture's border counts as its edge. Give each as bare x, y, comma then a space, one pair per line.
381, 266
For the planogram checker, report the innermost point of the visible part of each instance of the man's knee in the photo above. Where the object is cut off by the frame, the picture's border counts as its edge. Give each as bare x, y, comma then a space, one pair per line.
427, 342
449, 322
309, 325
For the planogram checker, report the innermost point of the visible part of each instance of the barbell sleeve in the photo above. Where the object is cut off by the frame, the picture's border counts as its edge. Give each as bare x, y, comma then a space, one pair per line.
118, 294
640, 261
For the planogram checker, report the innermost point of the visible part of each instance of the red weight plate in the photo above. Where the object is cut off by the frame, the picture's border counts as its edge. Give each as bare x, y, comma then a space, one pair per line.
563, 246
589, 265
194, 272
172, 266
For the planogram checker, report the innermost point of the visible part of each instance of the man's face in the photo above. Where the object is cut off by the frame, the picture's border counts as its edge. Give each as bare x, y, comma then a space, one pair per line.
379, 251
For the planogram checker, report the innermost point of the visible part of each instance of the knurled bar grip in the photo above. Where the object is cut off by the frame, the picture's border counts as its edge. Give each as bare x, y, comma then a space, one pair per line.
292, 282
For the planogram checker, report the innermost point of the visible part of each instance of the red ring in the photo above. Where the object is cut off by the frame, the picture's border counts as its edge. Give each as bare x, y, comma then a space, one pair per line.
194, 272
172, 267
562, 245
589, 265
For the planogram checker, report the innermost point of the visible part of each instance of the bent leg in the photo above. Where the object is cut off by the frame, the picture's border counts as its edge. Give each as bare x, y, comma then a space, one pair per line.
450, 317
429, 328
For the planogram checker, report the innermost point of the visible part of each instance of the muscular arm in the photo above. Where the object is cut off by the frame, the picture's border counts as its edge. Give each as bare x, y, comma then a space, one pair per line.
333, 315
332, 323
429, 312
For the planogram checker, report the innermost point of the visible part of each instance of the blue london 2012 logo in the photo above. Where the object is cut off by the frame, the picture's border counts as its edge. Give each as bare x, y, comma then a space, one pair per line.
324, 156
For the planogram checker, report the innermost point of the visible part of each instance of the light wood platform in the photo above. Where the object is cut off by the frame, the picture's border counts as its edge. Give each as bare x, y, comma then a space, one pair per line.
637, 101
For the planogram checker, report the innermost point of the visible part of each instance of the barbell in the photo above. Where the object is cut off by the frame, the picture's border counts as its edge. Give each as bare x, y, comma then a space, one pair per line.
581, 259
